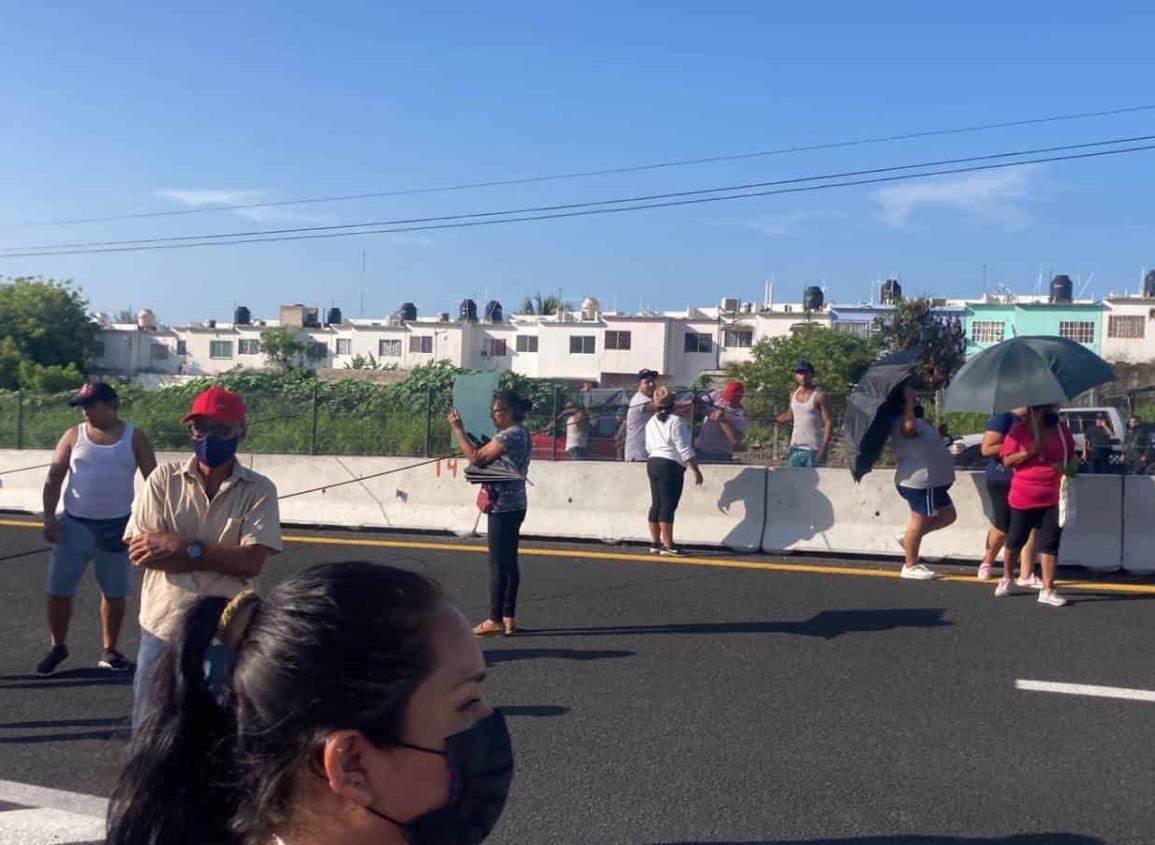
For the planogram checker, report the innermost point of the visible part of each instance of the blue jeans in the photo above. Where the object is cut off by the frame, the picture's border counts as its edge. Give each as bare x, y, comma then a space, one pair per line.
800, 457
150, 651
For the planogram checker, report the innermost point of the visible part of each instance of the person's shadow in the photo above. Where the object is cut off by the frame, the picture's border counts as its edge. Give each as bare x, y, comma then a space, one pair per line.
795, 509
1017, 839
749, 488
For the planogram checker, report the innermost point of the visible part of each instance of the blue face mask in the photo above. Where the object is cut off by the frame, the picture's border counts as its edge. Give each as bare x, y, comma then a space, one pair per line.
214, 451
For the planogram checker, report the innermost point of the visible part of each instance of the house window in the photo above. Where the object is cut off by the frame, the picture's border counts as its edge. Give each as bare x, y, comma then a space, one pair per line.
738, 338
320, 350
98, 349
527, 343
988, 331
344, 346
581, 344
698, 342
221, 348
422, 344
856, 327
159, 352
1079, 331
181, 347
1127, 327
618, 340
248, 347
493, 348
389, 348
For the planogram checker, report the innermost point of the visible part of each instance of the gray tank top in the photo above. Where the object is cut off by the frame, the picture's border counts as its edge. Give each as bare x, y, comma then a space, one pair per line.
808, 428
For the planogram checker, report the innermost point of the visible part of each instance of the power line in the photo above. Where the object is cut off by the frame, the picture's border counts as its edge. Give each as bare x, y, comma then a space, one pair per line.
231, 236
596, 211
581, 174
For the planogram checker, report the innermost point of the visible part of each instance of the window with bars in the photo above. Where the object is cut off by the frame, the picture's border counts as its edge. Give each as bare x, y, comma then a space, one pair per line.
618, 340
389, 348
159, 352
861, 328
527, 343
698, 342
247, 347
422, 344
1127, 327
220, 349
988, 331
344, 346
181, 347
1080, 331
493, 348
582, 344
738, 338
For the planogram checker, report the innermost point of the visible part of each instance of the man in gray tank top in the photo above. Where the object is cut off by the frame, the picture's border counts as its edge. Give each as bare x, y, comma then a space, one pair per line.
810, 414
99, 457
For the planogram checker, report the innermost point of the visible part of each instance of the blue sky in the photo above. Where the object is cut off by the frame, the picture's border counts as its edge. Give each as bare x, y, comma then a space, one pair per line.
137, 108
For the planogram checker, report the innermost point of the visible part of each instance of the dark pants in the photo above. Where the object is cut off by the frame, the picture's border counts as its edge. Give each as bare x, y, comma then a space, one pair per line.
666, 481
1043, 521
504, 574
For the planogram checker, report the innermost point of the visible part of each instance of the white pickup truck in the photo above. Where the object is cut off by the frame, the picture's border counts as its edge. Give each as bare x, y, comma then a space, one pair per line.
965, 448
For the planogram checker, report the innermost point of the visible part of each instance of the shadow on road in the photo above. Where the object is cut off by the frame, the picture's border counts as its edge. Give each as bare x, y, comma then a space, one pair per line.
36, 739
69, 678
118, 721
533, 710
1019, 839
509, 655
827, 624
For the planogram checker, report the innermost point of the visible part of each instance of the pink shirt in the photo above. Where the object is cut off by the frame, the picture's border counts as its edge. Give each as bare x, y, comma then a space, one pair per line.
1035, 483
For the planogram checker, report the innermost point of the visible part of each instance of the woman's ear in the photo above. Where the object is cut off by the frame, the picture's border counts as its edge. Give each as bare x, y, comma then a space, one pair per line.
344, 760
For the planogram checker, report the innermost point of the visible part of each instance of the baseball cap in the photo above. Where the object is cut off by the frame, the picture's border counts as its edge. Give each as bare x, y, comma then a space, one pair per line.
97, 391
733, 392
217, 405
804, 366
643, 374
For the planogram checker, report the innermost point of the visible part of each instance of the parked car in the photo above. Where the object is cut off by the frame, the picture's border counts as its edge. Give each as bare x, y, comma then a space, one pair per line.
965, 448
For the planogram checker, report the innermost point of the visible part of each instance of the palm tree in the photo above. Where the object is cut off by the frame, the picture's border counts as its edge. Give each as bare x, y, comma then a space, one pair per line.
542, 306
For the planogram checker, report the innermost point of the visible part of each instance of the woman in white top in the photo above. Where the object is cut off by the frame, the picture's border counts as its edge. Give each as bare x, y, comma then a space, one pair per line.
669, 450
924, 475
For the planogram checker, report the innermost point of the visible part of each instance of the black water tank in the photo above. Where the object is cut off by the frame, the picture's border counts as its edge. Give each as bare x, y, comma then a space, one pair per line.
334, 317
242, 316
1149, 285
493, 311
891, 292
407, 312
1062, 290
468, 311
812, 298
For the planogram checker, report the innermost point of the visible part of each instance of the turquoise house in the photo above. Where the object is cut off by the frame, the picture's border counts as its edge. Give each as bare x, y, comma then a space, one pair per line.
988, 323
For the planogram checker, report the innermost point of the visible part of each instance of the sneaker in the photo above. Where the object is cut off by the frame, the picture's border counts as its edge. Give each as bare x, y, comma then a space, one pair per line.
54, 658
114, 661
918, 572
1033, 582
985, 572
671, 551
1052, 598
1004, 588
655, 550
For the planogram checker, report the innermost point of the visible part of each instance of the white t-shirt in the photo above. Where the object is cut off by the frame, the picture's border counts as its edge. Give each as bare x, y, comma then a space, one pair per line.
923, 460
636, 419
669, 439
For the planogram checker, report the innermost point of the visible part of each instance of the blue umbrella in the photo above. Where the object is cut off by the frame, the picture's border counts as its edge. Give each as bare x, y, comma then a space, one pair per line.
1026, 371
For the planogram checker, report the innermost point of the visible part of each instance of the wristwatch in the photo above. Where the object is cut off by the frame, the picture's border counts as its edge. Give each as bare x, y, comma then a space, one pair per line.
194, 550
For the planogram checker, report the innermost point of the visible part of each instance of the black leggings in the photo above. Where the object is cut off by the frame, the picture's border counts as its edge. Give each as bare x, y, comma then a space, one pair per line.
504, 573
1044, 522
666, 481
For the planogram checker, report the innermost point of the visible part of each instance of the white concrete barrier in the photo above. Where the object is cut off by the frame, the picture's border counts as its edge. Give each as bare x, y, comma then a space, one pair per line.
609, 502
1139, 524
1094, 538
21, 491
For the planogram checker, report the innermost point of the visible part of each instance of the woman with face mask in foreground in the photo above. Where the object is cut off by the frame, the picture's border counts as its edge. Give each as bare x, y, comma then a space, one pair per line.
344, 708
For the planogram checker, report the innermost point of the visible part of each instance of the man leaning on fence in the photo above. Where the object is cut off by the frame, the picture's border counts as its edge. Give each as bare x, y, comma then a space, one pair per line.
201, 527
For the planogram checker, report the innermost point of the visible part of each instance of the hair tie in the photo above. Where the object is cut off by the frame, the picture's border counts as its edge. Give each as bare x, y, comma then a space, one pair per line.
221, 655
236, 618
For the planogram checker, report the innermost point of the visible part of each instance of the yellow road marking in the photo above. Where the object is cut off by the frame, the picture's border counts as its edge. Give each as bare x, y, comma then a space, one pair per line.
688, 560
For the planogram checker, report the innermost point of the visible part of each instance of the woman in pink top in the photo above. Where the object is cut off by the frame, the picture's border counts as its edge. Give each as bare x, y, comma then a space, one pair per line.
1037, 451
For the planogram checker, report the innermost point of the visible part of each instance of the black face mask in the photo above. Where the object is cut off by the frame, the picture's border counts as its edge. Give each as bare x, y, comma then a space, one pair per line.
480, 761
1051, 419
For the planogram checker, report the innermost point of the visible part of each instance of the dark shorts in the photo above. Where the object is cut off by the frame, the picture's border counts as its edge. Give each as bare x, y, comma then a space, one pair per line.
1000, 514
1043, 521
926, 502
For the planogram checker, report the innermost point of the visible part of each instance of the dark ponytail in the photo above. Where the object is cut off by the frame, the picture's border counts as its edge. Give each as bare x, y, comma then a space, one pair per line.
340, 646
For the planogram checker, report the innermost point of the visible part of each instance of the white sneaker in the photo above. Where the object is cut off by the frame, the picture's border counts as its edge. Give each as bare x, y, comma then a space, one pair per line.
1033, 582
985, 573
918, 572
1004, 588
1052, 598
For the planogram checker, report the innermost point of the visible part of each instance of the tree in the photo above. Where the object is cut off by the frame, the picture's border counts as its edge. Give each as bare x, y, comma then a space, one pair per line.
839, 359
542, 306
284, 349
42, 322
913, 323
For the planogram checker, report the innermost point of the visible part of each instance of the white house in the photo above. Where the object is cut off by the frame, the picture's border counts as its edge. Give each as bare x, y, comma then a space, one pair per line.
1128, 330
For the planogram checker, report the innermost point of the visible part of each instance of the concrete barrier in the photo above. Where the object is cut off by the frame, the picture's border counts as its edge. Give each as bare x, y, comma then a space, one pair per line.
21, 491
1094, 538
1139, 524
609, 501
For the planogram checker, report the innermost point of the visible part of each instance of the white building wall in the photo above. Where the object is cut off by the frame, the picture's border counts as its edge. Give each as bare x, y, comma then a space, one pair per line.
129, 350
648, 346
1130, 350
554, 357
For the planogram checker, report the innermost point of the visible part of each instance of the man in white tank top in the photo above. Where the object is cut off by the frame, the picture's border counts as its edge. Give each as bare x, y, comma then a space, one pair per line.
99, 457
810, 414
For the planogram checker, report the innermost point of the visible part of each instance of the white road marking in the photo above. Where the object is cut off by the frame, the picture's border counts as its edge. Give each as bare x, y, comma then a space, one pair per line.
76, 803
1086, 689
45, 825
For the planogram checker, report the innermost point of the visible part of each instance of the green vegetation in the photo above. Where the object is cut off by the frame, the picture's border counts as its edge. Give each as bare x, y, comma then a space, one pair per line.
45, 334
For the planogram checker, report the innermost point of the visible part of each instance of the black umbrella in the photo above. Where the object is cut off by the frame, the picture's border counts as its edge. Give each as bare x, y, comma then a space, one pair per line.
1026, 371
866, 426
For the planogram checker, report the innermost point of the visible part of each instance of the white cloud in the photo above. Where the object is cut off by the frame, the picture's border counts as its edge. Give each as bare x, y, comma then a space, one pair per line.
199, 198
778, 225
998, 197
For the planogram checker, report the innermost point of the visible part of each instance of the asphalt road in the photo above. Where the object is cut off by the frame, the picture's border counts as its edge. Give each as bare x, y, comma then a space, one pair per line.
671, 703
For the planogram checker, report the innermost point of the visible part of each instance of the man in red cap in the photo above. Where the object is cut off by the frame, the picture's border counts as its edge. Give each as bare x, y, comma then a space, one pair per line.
201, 527
724, 424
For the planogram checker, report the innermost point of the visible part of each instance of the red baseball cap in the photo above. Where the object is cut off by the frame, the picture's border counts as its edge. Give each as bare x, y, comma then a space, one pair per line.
733, 392
217, 405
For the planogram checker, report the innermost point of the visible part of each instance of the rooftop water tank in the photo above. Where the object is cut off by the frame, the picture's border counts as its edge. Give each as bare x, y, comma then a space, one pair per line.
590, 308
468, 311
493, 311
334, 317
891, 292
407, 312
1062, 289
242, 316
145, 319
812, 298
1149, 285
